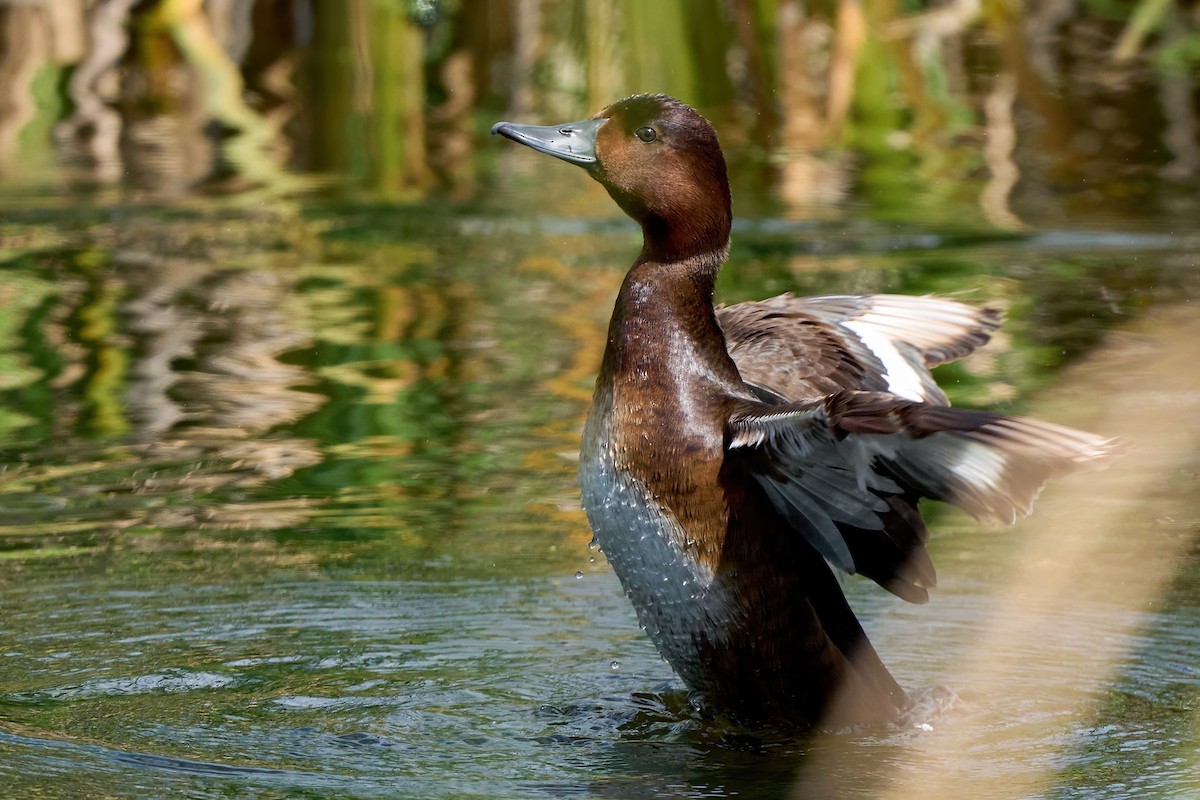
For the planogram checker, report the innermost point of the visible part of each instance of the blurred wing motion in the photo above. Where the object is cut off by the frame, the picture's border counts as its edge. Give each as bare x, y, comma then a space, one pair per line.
790, 348
847, 470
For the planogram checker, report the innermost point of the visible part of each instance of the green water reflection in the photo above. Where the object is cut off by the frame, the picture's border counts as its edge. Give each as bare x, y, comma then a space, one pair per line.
294, 359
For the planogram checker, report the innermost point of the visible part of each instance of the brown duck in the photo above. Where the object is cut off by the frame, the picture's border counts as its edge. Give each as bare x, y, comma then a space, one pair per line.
732, 455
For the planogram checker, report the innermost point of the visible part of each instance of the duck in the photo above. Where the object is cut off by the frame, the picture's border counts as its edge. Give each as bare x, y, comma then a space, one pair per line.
736, 458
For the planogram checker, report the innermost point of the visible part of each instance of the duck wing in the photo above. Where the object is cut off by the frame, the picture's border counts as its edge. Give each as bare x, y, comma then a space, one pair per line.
847, 470
789, 348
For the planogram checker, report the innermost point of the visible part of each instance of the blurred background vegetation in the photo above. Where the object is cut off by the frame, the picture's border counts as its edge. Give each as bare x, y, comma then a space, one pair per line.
999, 110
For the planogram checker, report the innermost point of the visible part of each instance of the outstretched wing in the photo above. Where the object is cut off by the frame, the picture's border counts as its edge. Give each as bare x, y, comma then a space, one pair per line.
791, 348
847, 470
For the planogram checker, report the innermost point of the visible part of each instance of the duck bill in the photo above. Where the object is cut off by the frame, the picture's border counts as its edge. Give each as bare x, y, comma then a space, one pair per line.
572, 141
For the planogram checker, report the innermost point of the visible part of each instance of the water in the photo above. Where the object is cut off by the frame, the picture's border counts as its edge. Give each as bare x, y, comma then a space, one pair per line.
319, 535
289, 416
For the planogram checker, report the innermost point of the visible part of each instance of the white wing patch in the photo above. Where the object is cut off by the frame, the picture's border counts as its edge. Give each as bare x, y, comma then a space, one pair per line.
980, 465
903, 380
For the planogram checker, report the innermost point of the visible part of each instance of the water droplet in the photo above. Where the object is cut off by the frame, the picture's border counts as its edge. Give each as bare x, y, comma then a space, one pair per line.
579, 574
614, 664
591, 559
593, 544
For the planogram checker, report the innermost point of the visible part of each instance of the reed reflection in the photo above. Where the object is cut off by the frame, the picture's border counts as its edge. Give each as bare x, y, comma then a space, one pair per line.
155, 376
911, 107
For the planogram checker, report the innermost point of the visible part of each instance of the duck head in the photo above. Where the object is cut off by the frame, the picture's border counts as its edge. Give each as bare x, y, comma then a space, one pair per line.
659, 160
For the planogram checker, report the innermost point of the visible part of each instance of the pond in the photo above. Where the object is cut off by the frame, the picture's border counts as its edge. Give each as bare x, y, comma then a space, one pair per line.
290, 415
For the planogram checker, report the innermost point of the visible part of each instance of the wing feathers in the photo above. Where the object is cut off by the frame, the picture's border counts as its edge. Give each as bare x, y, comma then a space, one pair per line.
804, 347
942, 330
848, 468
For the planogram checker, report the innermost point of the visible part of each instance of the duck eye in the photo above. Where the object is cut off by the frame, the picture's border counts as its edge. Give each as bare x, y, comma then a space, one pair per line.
646, 134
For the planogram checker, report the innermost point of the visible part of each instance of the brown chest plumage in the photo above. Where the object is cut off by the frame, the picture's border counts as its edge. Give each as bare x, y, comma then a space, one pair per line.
671, 381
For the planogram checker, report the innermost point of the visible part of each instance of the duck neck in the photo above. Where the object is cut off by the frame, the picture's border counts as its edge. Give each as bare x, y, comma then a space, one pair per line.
658, 287
699, 239
664, 313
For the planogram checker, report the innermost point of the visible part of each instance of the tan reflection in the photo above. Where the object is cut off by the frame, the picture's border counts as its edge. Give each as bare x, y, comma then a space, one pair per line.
850, 32
1030, 47
998, 153
1182, 134
605, 72
583, 323
184, 352
209, 339
526, 21
929, 29
920, 43
451, 154
816, 68
94, 128
798, 38
25, 34
1092, 544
